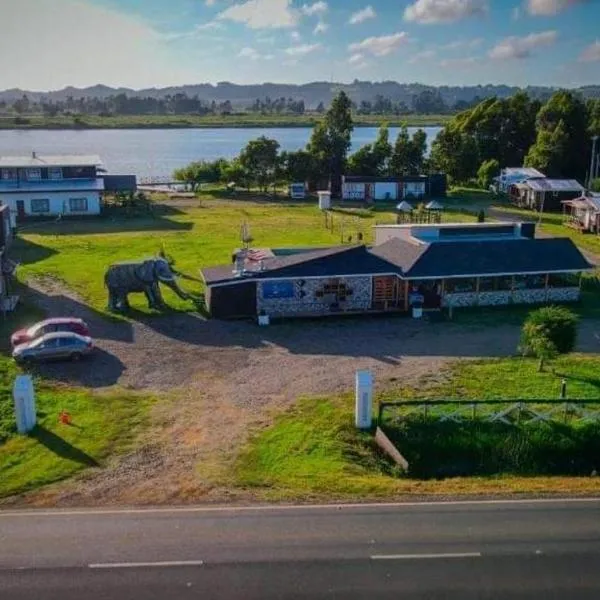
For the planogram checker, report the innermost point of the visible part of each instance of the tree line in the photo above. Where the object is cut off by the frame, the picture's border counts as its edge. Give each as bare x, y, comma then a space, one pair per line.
554, 137
427, 102
322, 163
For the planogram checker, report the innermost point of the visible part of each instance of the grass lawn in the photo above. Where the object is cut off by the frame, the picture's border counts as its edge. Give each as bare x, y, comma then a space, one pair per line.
103, 425
186, 121
202, 233
552, 223
313, 451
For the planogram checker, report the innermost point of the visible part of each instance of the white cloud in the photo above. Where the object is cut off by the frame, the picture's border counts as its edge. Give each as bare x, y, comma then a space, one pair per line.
521, 47
250, 53
303, 49
216, 25
516, 13
421, 56
296, 37
318, 8
458, 63
362, 15
210, 2
444, 11
50, 48
262, 14
550, 7
356, 58
320, 27
380, 46
460, 44
591, 53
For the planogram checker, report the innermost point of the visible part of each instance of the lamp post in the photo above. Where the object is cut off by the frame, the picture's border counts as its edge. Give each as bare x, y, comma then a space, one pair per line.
591, 176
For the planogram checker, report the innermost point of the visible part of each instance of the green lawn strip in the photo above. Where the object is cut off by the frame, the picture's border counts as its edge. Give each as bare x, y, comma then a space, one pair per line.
203, 234
238, 120
102, 425
313, 451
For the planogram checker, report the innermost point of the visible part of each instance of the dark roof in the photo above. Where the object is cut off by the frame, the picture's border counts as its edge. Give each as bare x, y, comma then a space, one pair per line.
323, 262
120, 183
495, 257
414, 260
376, 179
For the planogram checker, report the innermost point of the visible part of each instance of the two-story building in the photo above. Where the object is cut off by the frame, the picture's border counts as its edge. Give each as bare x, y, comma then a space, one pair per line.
44, 185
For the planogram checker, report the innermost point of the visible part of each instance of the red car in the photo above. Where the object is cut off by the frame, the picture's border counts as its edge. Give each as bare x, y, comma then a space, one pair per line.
49, 326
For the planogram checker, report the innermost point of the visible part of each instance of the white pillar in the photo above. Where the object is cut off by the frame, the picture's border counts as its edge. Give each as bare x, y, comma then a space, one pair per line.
24, 399
363, 413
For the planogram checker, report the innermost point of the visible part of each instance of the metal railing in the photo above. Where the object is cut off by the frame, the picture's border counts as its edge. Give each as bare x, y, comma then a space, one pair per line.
492, 411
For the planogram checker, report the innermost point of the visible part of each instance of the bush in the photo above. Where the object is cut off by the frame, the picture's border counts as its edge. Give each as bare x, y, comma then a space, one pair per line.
486, 173
556, 323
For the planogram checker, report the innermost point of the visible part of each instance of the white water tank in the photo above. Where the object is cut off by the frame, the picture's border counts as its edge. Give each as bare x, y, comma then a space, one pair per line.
324, 200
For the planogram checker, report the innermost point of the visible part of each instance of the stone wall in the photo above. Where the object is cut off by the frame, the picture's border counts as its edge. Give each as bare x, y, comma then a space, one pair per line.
538, 296
310, 304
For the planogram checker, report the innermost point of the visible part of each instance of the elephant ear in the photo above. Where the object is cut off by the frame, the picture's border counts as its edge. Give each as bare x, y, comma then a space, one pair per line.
145, 271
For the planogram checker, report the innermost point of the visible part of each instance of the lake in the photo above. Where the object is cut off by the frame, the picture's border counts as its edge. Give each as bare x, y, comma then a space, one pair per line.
157, 152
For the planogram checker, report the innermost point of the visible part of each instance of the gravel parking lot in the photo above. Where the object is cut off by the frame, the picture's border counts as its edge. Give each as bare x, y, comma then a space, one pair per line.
221, 379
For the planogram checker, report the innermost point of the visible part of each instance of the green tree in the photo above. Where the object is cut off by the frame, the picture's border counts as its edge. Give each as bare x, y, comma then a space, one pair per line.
260, 159
237, 174
548, 152
595, 185
549, 331
486, 173
330, 141
199, 172
455, 153
402, 153
566, 116
298, 166
417, 151
382, 150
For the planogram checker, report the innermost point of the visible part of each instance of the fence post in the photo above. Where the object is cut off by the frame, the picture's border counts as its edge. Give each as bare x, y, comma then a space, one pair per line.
563, 389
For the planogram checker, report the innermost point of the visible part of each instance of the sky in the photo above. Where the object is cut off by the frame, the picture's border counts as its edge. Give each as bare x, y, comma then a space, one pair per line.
50, 44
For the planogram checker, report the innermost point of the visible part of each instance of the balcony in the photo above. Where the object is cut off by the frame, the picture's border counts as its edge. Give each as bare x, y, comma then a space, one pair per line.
52, 185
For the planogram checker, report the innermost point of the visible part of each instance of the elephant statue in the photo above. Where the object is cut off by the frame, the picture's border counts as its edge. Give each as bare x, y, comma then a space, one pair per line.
124, 278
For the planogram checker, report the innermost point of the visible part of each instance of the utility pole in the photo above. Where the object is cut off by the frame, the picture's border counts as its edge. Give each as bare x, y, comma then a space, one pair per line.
591, 176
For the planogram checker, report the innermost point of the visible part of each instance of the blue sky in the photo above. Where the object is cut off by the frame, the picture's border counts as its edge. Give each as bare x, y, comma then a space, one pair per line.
145, 43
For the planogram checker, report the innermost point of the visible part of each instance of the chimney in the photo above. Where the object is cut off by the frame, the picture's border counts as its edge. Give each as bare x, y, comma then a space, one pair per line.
33, 155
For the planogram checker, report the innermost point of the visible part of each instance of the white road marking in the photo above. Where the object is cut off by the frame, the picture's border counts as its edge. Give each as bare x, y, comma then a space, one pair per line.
425, 556
140, 565
286, 507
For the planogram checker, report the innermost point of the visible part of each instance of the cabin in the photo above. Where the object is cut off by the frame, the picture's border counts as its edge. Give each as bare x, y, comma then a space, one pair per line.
445, 265
363, 188
50, 185
544, 194
512, 175
583, 213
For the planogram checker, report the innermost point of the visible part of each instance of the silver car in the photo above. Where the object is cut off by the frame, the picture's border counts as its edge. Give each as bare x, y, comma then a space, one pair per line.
62, 345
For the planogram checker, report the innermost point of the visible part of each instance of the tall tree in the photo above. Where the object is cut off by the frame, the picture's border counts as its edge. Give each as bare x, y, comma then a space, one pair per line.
261, 160
382, 151
563, 121
331, 139
456, 154
401, 155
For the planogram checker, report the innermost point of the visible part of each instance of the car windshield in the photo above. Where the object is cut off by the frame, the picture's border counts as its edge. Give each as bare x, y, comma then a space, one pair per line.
35, 330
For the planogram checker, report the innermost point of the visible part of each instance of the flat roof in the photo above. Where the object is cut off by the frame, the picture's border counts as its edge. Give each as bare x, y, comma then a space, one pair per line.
51, 160
450, 225
554, 185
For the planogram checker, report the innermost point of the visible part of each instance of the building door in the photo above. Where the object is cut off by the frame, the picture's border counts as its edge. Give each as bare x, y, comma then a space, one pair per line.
20, 209
386, 292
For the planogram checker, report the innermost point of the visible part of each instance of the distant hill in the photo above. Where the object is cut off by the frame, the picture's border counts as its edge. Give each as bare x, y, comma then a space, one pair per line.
311, 93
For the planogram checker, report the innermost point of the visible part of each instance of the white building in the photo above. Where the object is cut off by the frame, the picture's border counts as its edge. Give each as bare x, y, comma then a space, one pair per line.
50, 185
513, 175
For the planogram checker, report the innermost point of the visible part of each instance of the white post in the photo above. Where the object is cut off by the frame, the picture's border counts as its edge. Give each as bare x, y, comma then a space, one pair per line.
24, 399
363, 414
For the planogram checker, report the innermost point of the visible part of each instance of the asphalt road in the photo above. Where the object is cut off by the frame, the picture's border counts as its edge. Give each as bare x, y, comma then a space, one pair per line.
523, 549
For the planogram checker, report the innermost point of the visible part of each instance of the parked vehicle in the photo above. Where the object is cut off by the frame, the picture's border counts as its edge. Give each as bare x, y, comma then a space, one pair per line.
62, 345
49, 326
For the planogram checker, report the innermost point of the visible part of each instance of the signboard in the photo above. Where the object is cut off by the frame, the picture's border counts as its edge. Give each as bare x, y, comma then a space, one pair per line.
278, 289
363, 414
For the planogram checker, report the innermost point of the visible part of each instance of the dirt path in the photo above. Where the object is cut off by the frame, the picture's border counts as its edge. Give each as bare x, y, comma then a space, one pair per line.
219, 380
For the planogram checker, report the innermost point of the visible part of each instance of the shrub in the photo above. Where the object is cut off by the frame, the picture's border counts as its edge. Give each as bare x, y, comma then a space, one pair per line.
486, 173
556, 323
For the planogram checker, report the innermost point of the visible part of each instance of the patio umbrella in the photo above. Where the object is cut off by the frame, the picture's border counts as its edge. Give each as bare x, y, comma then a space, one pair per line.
404, 206
434, 205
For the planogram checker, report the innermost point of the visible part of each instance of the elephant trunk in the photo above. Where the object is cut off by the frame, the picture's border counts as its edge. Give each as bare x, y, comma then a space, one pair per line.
172, 283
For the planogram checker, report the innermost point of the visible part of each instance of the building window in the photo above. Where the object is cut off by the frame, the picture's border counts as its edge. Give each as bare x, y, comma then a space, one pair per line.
78, 204
55, 173
40, 205
8, 174
33, 174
